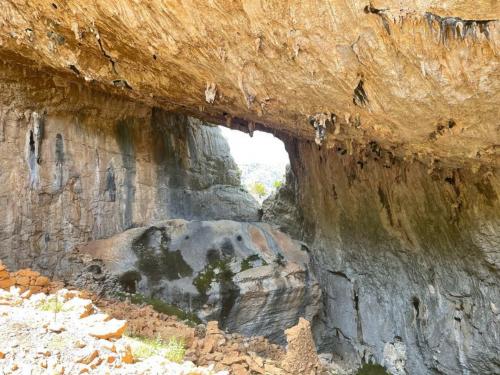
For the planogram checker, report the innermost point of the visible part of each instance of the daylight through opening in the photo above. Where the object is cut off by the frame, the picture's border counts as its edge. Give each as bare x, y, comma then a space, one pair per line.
261, 160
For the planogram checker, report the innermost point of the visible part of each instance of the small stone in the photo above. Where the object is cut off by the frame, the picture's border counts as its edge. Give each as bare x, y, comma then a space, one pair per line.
127, 355
239, 369
55, 327
96, 363
212, 328
2, 355
113, 328
86, 356
44, 352
42, 281
83, 307
231, 358
6, 284
80, 344
26, 272
26, 294
23, 280
105, 344
111, 359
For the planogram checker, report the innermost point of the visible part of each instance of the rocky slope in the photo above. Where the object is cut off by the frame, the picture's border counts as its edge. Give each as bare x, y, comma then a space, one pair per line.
65, 332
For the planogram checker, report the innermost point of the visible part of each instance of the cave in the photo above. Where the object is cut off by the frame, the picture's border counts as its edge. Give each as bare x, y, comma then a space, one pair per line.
384, 230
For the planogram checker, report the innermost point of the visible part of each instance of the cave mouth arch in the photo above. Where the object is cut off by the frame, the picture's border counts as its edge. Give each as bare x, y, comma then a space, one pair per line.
261, 159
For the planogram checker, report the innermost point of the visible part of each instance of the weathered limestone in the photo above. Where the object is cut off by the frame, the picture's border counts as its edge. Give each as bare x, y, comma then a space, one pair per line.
281, 208
381, 67
250, 277
399, 204
86, 166
407, 256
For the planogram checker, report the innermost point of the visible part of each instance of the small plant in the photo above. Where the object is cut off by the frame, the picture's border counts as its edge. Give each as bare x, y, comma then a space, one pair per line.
248, 262
277, 184
259, 189
219, 271
175, 350
144, 347
51, 304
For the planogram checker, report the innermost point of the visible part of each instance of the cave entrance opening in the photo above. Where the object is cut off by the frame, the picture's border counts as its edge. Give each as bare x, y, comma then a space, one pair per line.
261, 160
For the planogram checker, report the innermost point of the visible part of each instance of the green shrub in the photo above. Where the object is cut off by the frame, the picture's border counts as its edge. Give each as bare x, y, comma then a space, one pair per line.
205, 277
175, 350
259, 189
247, 263
143, 347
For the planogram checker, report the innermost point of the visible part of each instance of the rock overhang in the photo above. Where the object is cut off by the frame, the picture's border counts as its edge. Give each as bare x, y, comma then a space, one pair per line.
421, 80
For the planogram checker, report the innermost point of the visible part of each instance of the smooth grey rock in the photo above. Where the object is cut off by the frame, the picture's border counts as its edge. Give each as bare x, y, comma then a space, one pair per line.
250, 277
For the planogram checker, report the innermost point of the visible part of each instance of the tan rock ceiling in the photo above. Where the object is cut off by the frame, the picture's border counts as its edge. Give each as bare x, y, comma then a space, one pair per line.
402, 73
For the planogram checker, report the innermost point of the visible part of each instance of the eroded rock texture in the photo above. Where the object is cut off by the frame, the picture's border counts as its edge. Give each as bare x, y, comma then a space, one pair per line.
408, 257
250, 277
80, 165
390, 111
380, 68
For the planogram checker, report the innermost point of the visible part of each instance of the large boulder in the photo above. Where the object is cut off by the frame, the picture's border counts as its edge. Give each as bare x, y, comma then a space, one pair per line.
250, 277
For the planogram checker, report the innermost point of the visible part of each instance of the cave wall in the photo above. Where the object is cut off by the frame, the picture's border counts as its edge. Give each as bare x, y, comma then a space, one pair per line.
77, 165
408, 257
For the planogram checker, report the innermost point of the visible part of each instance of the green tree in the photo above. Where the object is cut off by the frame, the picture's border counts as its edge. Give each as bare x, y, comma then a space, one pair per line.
277, 184
259, 189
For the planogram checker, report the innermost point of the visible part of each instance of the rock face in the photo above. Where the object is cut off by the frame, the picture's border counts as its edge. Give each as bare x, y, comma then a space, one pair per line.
390, 114
408, 259
250, 277
281, 208
102, 167
286, 64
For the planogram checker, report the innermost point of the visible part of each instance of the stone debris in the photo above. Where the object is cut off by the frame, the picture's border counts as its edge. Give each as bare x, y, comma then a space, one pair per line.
111, 329
24, 279
301, 356
74, 335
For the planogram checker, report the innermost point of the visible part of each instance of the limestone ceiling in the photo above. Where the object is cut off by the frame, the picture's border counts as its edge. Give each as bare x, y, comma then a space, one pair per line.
419, 77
